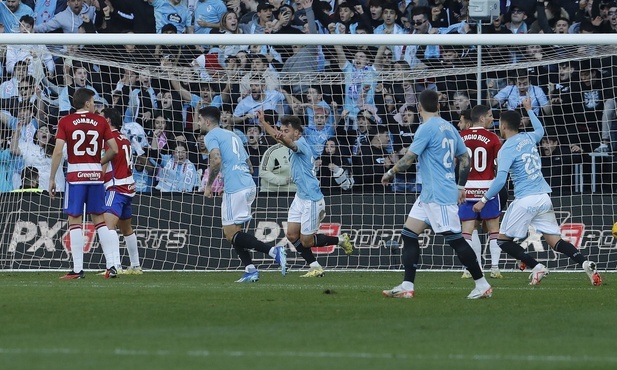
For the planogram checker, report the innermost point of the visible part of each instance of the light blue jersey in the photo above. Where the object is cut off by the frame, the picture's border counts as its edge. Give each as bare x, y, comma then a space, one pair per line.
302, 163
519, 156
437, 143
165, 12
236, 172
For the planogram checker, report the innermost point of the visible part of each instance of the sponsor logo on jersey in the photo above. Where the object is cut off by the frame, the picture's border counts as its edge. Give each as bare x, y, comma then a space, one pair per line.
94, 175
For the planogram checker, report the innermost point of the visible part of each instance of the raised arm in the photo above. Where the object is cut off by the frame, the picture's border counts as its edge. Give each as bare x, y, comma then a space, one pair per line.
538, 129
340, 56
276, 134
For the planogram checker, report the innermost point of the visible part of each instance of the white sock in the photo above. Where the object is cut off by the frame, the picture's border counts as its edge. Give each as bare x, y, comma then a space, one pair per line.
315, 265
76, 236
131, 246
482, 283
272, 252
407, 285
495, 252
109, 243
476, 245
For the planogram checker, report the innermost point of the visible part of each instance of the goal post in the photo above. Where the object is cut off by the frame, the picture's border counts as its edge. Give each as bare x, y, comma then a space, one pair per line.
159, 89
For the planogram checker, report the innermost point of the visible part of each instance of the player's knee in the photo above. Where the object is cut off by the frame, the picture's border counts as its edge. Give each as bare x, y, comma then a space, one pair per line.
292, 236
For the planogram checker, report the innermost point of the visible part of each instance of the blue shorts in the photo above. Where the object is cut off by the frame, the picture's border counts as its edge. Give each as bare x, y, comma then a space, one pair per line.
119, 205
491, 210
76, 195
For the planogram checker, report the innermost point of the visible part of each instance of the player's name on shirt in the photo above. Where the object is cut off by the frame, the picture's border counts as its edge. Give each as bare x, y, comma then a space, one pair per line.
85, 120
476, 136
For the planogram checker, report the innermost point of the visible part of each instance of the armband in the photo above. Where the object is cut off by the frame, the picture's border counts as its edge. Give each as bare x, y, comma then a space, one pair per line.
391, 173
460, 187
484, 199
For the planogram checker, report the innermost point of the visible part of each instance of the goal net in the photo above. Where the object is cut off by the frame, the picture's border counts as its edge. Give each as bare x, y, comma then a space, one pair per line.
358, 104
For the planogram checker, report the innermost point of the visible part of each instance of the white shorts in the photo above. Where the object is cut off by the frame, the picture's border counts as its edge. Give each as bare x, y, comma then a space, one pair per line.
236, 207
307, 213
535, 210
439, 217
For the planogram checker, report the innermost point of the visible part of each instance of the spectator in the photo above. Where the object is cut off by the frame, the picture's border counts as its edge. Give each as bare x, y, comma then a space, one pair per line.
260, 69
9, 163
229, 25
142, 101
259, 23
593, 106
143, 173
29, 181
11, 12
348, 20
275, 171
10, 88
421, 25
257, 100
70, 19
304, 58
37, 57
255, 147
390, 26
138, 14
208, 15
375, 8
517, 23
75, 77
171, 109
45, 10
171, 12
177, 173
161, 138
333, 170
38, 154
373, 160
557, 160
317, 135
511, 96
360, 82
200, 157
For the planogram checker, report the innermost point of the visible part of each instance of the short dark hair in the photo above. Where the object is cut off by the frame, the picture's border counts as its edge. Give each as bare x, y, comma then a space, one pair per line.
30, 173
478, 112
169, 28
210, 112
81, 96
115, 119
27, 19
511, 118
293, 122
429, 100
466, 114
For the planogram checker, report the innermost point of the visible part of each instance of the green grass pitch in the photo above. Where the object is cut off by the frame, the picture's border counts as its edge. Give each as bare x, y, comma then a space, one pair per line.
341, 321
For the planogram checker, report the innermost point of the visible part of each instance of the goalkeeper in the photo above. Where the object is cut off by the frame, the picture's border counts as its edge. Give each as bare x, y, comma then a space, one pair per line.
308, 207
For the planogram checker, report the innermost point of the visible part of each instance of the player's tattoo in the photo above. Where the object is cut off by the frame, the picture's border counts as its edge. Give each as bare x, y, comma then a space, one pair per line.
215, 166
405, 162
464, 167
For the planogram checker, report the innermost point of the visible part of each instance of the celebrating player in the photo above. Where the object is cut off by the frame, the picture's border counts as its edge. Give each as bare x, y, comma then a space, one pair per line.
120, 188
227, 155
436, 144
308, 207
532, 204
483, 146
84, 133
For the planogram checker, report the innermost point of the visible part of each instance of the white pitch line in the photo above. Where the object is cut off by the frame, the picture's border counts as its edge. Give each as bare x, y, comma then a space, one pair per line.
308, 354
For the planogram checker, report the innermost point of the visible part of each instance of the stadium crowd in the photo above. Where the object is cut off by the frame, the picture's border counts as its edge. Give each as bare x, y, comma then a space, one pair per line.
358, 123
